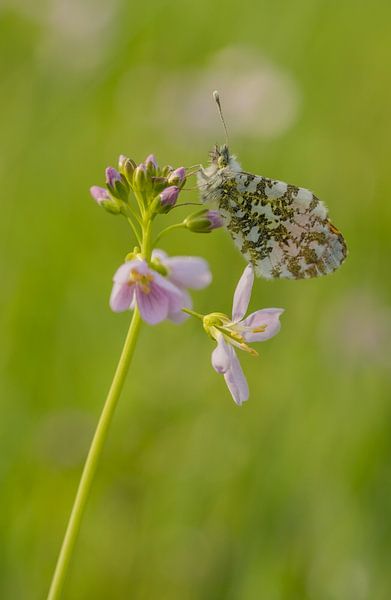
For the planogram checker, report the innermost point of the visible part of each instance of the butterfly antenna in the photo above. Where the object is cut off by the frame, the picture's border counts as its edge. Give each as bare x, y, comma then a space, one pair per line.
216, 97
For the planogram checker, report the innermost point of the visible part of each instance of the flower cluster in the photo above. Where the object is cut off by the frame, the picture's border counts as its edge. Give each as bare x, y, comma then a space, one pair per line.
159, 289
154, 187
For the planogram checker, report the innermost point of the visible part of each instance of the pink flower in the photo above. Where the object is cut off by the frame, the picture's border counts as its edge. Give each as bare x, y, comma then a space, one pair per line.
160, 290
136, 283
236, 332
184, 272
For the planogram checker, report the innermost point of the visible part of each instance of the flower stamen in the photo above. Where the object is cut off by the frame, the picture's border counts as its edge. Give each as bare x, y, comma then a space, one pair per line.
259, 329
143, 281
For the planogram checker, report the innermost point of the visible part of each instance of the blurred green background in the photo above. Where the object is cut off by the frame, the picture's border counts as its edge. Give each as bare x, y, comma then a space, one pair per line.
289, 496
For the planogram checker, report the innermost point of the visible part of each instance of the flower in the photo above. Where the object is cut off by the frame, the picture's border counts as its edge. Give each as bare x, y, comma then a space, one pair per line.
169, 195
237, 332
184, 272
156, 297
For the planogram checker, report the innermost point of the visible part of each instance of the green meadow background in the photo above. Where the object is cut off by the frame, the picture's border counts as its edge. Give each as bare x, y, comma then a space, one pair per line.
288, 497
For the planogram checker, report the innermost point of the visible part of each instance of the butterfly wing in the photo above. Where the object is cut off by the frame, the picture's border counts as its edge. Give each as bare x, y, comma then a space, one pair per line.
283, 230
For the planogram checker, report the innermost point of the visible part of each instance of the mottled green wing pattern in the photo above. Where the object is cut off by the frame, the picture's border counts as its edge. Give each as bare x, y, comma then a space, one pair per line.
283, 230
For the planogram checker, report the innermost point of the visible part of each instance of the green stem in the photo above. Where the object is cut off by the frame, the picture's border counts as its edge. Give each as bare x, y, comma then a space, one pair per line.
167, 229
93, 457
134, 231
146, 246
193, 313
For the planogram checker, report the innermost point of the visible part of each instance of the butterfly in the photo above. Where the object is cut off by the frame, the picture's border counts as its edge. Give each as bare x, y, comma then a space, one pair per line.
282, 230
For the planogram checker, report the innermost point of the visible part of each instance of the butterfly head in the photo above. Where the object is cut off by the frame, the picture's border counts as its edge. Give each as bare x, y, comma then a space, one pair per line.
220, 156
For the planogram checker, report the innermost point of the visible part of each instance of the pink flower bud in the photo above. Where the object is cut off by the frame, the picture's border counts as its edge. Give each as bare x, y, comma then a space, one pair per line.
169, 196
112, 176
215, 219
177, 177
204, 221
99, 194
151, 160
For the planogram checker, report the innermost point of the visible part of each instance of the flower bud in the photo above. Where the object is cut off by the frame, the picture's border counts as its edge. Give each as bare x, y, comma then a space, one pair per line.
164, 201
121, 162
215, 218
159, 183
99, 194
204, 221
177, 177
169, 195
167, 199
126, 167
117, 184
151, 164
112, 176
103, 198
165, 171
140, 177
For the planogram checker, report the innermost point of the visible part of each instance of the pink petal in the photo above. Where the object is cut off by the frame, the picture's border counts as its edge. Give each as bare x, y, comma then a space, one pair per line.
122, 273
174, 294
121, 297
243, 293
222, 355
236, 381
188, 271
153, 306
179, 316
267, 316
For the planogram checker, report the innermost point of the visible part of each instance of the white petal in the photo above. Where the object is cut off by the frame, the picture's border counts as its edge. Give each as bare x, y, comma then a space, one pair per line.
221, 355
174, 294
121, 297
236, 381
153, 306
159, 254
269, 318
243, 294
122, 273
188, 271
180, 316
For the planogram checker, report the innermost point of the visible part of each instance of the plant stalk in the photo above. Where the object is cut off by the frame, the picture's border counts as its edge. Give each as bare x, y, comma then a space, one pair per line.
92, 460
